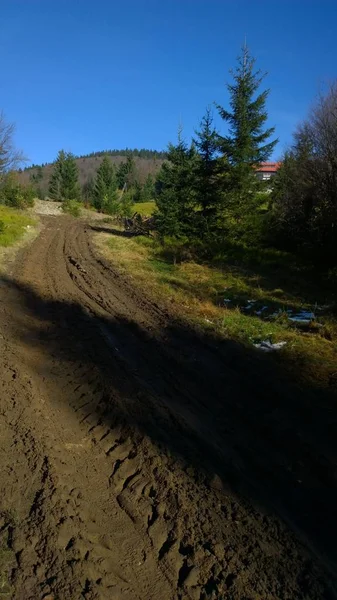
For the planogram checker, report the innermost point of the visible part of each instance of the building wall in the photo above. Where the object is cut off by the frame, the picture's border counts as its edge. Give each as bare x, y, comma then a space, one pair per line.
265, 175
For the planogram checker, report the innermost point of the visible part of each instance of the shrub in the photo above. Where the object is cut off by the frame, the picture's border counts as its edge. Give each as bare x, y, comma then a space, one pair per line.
125, 207
72, 207
110, 204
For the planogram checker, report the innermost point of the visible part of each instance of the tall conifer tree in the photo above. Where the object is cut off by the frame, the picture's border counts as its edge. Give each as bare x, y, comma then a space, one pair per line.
246, 144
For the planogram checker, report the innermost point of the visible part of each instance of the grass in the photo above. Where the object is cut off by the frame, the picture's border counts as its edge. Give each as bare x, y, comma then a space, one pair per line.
145, 209
196, 293
13, 225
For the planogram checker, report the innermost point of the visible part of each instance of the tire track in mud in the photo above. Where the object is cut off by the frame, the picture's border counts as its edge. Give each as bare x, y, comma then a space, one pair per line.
109, 507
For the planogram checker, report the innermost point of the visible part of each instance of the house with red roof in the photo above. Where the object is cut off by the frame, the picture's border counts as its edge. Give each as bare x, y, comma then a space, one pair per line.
267, 170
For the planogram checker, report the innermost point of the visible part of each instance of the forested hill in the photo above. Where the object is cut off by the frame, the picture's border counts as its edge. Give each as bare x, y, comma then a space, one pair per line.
146, 162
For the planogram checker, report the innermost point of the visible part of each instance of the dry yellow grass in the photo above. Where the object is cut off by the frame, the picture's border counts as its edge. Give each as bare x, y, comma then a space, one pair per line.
19, 229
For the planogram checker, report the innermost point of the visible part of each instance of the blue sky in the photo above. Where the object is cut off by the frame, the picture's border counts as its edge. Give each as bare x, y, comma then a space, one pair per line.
88, 75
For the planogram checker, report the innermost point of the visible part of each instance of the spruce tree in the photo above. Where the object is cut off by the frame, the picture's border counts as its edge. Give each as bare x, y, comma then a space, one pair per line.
126, 173
88, 191
105, 185
131, 174
207, 182
148, 189
63, 183
70, 188
246, 145
137, 192
54, 186
54, 191
175, 197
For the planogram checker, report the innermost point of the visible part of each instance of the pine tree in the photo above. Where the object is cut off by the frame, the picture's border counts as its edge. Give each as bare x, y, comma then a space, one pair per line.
138, 193
63, 183
126, 173
131, 175
56, 176
36, 179
88, 191
105, 184
70, 188
207, 177
245, 146
148, 189
175, 194
54, 186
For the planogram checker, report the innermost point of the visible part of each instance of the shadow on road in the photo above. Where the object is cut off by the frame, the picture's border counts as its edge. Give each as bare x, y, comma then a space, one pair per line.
214, 404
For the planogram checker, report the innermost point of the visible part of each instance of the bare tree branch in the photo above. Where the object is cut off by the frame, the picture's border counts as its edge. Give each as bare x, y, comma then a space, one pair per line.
10, 156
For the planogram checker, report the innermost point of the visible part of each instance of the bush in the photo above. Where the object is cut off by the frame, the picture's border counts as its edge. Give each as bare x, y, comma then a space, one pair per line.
15, 195
72, 207
118, 204
125, 207
2, 226
110, 204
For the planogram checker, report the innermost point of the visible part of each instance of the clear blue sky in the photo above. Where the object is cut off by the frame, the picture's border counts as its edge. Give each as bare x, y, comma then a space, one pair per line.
88, 75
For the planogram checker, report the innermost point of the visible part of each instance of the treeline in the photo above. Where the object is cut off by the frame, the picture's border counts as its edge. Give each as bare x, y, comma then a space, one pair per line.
112, 190
141, 153
32, 166
87, 167
135, 152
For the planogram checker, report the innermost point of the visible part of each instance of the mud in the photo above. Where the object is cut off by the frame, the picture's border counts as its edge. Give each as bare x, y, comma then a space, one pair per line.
142, 460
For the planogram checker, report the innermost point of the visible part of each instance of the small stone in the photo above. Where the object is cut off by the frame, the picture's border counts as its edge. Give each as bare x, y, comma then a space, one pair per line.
218, 551
217, 484
193, 577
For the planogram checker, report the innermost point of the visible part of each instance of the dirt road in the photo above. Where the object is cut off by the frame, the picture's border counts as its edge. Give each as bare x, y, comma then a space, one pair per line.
140, 460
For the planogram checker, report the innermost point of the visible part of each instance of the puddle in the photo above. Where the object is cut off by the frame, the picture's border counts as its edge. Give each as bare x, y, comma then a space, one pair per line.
267, 346
264, 311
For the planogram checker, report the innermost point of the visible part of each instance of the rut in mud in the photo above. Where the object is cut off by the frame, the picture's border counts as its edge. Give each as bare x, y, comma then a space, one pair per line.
141, 460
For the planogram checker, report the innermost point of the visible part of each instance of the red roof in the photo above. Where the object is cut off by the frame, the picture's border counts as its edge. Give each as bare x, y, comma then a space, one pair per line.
268, 167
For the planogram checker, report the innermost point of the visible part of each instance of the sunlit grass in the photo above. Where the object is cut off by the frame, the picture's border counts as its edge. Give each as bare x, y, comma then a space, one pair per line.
13, 225
145, 209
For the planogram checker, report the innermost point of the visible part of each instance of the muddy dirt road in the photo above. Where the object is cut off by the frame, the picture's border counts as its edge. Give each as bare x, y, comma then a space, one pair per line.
140, 460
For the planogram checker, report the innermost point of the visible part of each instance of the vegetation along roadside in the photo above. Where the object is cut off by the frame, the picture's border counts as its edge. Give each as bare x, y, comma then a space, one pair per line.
272, 302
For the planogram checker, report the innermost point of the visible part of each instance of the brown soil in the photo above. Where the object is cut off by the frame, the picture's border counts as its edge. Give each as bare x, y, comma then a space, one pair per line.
141, 460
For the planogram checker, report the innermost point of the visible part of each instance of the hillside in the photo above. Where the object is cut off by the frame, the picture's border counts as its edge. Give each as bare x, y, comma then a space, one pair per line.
88, 165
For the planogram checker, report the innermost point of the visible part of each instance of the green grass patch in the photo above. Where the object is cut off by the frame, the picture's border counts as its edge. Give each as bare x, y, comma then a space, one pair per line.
146, 209
218, 299
13, 225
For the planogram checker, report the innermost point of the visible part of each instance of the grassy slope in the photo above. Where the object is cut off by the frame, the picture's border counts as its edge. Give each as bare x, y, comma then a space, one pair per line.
13, 225
196, 292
